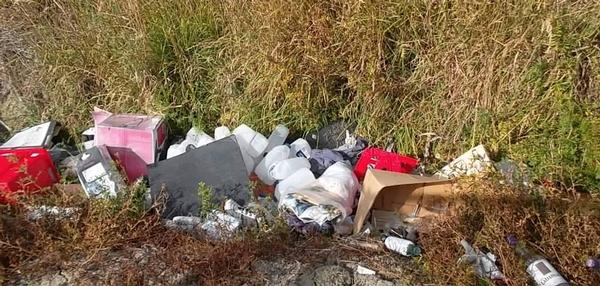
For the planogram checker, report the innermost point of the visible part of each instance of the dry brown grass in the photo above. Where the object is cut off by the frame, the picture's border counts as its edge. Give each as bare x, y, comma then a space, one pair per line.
518, 76
563, 229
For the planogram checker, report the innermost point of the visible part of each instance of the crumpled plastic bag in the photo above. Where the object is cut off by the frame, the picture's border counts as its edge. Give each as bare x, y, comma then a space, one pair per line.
329, 198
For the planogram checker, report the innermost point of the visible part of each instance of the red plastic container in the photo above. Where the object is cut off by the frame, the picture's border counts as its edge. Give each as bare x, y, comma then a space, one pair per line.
375, 158
25, 170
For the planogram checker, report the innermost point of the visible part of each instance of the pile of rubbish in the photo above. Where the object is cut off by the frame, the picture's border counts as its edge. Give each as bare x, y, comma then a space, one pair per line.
330, 183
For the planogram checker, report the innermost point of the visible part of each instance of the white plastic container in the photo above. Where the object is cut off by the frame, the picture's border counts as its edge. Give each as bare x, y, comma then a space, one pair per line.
283, 169
222, 132
300, 148
277, 137
402, 246
253, 142
279, 153
295, 181
197, 138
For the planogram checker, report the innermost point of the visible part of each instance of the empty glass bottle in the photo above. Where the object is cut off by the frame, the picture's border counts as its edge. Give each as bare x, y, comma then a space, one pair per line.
542, 272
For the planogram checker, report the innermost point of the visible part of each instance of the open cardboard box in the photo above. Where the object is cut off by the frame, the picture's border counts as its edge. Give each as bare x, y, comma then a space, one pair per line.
404, 194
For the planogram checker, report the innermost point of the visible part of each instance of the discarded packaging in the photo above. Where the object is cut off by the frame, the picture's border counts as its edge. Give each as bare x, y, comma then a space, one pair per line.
385, 220
538, 267
144, 135
252, 145
283, 169
251, 141
218, 164
235, 210
98, 174
25, 170
402, 246
364, 271
472, 162
88, 134
300, 148
36, 136
329, 198
513, 174
330, 136
404, 194
484, 263
375, 158
352, 148
129, 162
53, 212
344, 227
592, 263
220, 225
184, 223
194, 138
277, 137
278, 154
222, 132
297, 180
321, 159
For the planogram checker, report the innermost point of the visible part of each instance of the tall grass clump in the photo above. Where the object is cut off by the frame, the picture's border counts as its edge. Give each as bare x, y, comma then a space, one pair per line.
520, 77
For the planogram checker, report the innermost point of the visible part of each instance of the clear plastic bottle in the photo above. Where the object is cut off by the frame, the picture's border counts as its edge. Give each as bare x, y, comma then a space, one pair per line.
300, 148
283, 169
279, 153
538, 267
277, 137
402, 246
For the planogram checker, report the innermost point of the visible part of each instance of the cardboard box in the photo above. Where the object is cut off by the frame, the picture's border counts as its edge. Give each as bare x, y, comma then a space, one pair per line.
404, 194
144, 135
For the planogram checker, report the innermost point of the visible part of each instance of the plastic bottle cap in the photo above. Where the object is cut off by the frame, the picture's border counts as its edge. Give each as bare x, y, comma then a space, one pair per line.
512, 240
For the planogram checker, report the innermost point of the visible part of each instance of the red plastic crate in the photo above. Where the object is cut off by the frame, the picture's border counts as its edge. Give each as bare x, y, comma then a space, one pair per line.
375, 158
25, 170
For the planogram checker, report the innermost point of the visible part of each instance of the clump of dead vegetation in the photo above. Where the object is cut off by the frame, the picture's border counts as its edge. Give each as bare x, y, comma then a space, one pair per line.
563, 228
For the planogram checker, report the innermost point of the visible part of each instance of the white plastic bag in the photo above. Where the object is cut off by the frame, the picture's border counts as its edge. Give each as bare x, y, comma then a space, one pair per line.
329, 197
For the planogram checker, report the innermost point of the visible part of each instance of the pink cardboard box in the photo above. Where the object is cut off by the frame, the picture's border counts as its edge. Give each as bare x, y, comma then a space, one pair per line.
144, 135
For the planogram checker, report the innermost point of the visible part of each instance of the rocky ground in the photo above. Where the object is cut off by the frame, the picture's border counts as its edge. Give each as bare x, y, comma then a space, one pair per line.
144, 267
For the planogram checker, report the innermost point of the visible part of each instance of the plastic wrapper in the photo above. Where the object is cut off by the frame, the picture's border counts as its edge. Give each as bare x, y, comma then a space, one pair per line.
329, 198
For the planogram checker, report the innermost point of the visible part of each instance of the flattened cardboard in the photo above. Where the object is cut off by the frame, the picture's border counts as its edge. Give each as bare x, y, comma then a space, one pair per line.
403, 194
218, 164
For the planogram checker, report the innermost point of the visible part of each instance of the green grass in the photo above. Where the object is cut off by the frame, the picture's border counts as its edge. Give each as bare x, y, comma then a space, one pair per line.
520, 77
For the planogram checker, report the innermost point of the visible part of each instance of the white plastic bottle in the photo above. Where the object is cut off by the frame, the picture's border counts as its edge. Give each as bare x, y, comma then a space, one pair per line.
253, 142
402, 246
277, 137
197, 138
285, 168
300, 148
221, 132
297, 180
279, 153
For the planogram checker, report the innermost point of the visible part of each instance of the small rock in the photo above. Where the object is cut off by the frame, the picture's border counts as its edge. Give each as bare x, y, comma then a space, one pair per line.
332, 275
55, 279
